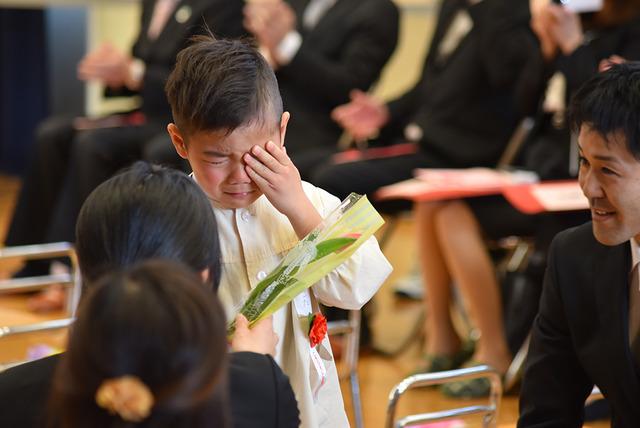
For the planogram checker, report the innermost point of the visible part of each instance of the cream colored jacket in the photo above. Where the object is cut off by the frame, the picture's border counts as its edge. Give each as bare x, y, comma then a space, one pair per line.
253, 241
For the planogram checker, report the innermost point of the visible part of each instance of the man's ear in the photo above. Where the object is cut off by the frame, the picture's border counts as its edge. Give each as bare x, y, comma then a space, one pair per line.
177, 140
284, 121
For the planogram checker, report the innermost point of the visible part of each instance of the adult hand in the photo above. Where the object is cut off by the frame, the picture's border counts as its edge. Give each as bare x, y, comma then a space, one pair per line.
260, 338
363, 116
606, 64
565, 28
270, 21
541, 21
106, 64
278, 178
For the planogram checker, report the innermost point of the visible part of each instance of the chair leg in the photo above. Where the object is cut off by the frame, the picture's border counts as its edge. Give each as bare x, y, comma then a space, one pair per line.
514, 372
353, 352
355, 399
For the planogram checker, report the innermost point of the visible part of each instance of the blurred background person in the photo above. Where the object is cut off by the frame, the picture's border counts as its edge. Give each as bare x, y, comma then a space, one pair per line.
321, 50
453, 234
72, 156
461, 112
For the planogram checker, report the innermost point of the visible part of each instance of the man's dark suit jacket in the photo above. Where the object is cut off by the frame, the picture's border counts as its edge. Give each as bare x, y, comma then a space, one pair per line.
222, 17
466, 103
346, 50
580, 336
260, 393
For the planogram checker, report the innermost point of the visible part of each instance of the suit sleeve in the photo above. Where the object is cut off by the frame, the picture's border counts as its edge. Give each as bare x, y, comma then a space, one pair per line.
555, 386
507, 52
365, 52
582, 63
260, 393
287, 414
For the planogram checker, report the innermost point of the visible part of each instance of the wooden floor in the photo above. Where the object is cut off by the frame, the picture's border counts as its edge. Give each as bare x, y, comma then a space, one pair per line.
378, 374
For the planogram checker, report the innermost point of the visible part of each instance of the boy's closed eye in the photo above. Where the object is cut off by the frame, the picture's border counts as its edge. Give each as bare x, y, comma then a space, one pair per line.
215, 161
215, 158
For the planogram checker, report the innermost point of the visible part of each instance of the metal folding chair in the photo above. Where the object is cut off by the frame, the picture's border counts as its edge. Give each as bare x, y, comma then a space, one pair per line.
70, 280
489, 411
39, 252
350, 329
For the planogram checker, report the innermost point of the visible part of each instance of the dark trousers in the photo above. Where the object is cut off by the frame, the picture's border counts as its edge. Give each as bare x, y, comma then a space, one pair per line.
366, 176
65, 166
160, 150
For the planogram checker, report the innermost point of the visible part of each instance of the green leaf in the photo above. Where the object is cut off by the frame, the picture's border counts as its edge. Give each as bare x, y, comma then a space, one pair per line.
332, 245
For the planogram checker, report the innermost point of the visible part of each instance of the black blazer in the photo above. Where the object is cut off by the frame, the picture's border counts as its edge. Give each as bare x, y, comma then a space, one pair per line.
347, 49
465, 103
260, 393
580, 336
222, 17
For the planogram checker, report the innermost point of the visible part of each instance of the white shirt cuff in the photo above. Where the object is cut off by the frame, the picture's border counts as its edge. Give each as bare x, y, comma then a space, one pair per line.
288, 47
136, 71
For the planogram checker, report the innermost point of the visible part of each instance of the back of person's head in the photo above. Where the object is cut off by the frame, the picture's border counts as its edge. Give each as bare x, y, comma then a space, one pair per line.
148, 349
609, 103
147, 212
222, 85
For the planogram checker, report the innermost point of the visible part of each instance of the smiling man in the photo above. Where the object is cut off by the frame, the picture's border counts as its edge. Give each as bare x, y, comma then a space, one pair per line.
587, 330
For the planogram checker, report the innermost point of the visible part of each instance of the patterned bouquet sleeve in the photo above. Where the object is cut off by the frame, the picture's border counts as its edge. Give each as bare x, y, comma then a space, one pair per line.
331, 243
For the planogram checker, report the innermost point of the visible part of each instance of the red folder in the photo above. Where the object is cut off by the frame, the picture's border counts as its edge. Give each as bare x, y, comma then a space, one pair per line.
518, 187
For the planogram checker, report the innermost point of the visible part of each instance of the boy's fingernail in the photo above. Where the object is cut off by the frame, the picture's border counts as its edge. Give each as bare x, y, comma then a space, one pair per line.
256, 149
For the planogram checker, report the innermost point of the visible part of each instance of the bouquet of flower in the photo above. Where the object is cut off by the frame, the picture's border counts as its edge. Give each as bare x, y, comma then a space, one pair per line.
332, 242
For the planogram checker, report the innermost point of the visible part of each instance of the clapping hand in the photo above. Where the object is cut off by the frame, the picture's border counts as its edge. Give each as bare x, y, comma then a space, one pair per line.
269, 21
363, 116
106, 64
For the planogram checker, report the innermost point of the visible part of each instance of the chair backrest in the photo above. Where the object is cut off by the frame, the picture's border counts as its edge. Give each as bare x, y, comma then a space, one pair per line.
71, 281
516, 142
489, 411
44, 251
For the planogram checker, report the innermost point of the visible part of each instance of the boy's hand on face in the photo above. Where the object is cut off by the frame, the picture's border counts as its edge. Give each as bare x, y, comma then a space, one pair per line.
278, 178
260, 338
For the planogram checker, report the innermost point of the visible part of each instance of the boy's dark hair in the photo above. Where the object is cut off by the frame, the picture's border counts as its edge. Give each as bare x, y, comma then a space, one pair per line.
147, 212
222, 84
157, 322
610, 103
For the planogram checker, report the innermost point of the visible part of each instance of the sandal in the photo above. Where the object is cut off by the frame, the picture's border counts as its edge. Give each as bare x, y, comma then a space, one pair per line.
470, 388
438, 362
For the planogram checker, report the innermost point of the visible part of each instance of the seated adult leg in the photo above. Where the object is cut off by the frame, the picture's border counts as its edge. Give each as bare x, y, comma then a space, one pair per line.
308, 160
159, 150
464, 250
367, 176
443, 342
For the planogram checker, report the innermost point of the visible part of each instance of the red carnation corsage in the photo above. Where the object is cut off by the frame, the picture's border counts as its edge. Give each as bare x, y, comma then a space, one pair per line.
317, 328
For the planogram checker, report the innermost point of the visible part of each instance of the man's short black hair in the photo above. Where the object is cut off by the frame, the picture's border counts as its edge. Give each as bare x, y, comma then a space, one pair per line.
610, 103
222, 84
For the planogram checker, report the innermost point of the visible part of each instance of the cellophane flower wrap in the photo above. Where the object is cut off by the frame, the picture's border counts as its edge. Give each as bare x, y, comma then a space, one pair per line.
325, 248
